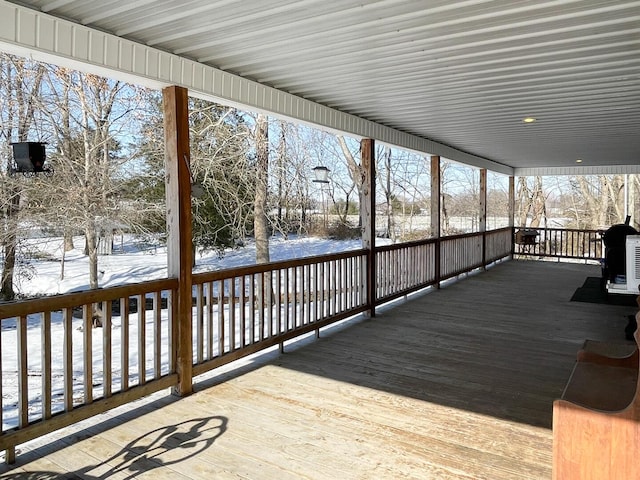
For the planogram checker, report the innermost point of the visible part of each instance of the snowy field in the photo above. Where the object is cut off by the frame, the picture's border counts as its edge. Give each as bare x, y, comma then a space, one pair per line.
131, 262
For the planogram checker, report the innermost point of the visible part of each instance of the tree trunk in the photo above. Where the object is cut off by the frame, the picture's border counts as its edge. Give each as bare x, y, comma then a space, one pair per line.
445, 214
62, 264
92, 250
260, 227
538, 202
387, 193
68, 242
9, 247
282, 151
524, 201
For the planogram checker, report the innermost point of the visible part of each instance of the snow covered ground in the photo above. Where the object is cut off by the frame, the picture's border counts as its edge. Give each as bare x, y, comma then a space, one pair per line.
133, 261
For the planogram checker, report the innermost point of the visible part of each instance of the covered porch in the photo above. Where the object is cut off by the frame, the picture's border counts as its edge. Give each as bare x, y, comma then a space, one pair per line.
457, 383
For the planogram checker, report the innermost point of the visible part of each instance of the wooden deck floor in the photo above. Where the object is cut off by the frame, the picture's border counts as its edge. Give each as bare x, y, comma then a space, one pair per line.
456, 384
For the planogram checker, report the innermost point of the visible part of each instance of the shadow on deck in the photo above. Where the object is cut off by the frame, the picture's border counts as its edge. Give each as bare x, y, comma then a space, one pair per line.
501, 343
458, 383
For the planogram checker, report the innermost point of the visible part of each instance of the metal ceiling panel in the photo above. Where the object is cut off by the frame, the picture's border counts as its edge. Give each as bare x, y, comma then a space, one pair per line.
460, 73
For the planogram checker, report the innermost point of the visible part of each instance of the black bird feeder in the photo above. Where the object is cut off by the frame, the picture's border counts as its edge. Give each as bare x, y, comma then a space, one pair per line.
29, 158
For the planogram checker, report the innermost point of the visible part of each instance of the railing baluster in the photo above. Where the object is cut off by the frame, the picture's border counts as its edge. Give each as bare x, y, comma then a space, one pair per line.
46, 365
242, 303
87, 330
271, 302
142, 339
221, 332
341, 298
107, 371
258, 304
402, 274
300, 294
264, 301
294, 289
256, 311
232, 313
172, 332
210, 337
23, 373
124, 344
67, 315
335, 289
157, 334
278, 300
316, 291
287, 304
352, 292
323, 290
306, 292
199, 323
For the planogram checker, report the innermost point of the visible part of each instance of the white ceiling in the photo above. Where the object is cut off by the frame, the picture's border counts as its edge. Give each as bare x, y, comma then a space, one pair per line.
460, 73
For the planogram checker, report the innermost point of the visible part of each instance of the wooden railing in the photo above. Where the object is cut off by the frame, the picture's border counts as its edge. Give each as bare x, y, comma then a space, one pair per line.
460, 254
239, 312
561, 243
234, 313
497, 244
406, 267
66, 370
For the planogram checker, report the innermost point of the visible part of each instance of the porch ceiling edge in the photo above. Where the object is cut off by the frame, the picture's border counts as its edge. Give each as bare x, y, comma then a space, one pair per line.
578, 170
37, 35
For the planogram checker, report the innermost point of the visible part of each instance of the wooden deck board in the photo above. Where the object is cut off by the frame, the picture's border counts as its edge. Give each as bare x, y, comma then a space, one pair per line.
456, 384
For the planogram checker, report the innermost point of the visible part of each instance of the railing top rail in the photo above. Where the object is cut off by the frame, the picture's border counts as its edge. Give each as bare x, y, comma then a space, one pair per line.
499, 230
398, 246
464, 235
563, 229
70, 300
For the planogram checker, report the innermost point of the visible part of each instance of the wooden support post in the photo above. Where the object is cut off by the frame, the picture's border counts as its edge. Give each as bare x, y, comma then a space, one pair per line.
483, 214
512, 200
368, 215
512, 210
179, 248
435, 212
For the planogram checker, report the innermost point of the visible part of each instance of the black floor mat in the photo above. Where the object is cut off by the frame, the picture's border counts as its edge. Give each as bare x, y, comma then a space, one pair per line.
591, 292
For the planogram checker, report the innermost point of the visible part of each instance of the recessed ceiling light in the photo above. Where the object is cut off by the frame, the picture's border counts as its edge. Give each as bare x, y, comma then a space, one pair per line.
528, 120
579, 160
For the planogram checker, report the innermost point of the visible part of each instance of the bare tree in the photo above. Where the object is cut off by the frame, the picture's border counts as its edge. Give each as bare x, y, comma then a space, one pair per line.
21, 86
85, 112
289, 175
531, 203
384, 181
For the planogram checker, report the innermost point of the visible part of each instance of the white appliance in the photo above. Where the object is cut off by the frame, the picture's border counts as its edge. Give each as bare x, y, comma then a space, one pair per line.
633, 263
